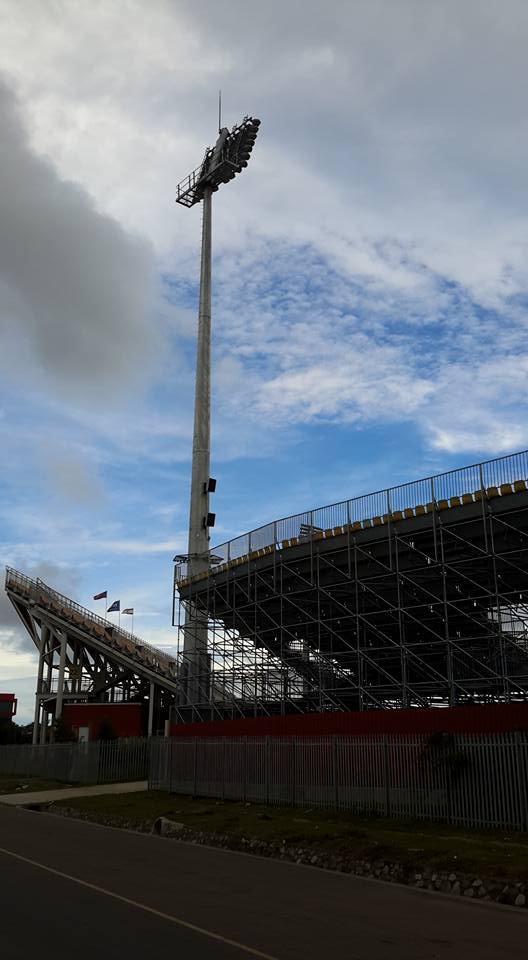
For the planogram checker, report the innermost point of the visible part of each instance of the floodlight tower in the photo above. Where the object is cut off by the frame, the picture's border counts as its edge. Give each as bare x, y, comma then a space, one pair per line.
221, 164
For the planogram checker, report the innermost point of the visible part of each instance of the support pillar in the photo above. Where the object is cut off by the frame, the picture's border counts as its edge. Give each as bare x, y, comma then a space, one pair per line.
36, 719
151, 710
47, 684
43, 725
60, 687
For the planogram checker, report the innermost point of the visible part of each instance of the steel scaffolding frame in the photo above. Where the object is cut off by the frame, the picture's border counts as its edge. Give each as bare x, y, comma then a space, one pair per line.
425, 607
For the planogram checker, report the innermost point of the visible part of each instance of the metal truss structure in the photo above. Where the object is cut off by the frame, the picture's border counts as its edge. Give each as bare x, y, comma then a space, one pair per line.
86, 659
413, 596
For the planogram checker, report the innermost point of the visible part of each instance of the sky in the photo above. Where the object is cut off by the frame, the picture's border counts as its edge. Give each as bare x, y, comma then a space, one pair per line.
370, 271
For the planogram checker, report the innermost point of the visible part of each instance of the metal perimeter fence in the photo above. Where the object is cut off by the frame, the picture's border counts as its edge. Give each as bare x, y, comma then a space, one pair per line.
472, 780
110, 761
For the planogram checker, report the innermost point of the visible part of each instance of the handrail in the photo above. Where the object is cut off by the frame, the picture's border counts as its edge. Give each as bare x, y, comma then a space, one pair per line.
452, 483
39, 585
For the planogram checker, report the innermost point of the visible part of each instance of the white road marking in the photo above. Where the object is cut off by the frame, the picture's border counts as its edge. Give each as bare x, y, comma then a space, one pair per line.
142, 906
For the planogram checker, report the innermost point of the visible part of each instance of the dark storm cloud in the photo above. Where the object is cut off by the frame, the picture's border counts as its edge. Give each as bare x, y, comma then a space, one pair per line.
75, 287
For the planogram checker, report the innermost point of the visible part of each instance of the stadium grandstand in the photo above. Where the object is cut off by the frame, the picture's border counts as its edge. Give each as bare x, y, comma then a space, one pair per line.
414, 596
85, 659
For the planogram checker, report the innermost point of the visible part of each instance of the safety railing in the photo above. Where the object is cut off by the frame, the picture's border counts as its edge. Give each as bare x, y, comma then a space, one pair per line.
39, 591
466, 482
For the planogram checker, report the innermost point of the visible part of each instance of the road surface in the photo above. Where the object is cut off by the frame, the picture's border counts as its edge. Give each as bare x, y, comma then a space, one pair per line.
73, 889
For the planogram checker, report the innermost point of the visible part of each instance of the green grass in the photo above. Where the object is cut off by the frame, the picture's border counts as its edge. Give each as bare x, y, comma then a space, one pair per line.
414, 844
14, 784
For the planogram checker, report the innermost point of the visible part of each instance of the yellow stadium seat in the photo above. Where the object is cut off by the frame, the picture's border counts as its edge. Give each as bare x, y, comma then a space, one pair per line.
285, 543
467, 498
519, 486
397, 515
419, 510
338, 531
454, 502
442, 505
408, 512
377, 521
505, 489
492, 492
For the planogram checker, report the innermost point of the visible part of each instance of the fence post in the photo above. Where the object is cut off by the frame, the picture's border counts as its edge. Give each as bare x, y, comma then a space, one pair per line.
244, 770
386, 776
267, 764
334, 772
195, 761
223, 767
520, 769
294, 758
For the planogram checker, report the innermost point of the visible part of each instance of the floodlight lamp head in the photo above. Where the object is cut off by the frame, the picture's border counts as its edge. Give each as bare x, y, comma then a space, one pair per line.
221, 163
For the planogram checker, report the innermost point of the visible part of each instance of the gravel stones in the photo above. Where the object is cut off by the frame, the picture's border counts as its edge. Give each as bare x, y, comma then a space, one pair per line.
313, 854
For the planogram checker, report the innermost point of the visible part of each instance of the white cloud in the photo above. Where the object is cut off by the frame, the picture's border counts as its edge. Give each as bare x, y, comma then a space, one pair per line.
393, 148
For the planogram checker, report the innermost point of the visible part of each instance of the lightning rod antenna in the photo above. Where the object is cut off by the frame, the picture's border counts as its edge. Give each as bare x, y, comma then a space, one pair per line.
219, 111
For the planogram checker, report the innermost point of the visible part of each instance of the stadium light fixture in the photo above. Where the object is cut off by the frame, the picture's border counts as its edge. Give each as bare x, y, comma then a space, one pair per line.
221, 163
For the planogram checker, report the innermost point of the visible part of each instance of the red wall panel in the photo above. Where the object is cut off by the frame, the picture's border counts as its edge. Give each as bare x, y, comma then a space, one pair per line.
491, 718
8, 706
124, 717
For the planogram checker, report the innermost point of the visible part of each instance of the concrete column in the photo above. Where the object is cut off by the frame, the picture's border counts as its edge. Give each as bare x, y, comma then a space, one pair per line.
195, 629
151, 710
43, 726
49, 675
60, 688
36, 719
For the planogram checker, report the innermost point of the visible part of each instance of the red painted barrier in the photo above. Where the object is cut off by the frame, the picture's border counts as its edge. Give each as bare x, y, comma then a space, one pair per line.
125, 718
489, 718
8, 706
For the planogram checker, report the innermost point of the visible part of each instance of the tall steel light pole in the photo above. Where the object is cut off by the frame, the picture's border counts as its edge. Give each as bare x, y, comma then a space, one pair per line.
221, 164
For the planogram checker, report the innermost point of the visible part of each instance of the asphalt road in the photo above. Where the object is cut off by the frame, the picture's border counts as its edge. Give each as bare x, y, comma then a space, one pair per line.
72, 889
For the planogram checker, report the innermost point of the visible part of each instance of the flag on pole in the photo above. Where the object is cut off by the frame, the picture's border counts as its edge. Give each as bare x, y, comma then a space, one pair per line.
101, 596
129, 610
114, 606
